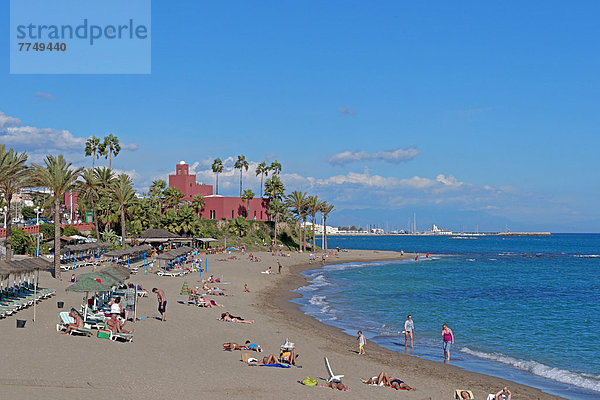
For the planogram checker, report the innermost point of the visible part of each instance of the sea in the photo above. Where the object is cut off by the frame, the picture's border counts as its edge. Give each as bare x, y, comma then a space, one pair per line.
521, 308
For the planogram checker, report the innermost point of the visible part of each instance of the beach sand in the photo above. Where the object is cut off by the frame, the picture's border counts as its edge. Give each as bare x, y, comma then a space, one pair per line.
183, 357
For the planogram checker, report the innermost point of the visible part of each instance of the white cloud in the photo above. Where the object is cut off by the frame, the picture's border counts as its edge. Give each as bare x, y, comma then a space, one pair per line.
45, 96
46, 140
392, 156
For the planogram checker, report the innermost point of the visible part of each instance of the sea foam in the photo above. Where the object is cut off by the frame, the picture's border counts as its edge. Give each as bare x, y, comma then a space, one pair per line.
587, 381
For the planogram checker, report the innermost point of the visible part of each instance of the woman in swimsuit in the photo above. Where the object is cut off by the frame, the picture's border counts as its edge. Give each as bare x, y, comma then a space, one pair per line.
229, 318
383, 379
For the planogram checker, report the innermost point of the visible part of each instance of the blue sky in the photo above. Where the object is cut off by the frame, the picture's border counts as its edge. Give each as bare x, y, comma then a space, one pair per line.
478, 114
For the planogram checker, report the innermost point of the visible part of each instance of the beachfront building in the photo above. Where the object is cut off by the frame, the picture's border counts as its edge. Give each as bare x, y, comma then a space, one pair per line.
216, 206
331, 230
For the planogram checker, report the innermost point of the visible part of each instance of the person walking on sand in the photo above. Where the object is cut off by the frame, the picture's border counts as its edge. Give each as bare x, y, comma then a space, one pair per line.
279, 266
362, 341
162, 303
409, 329
448, 338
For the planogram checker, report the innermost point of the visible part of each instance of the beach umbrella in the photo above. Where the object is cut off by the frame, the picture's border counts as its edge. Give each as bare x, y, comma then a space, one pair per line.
89, 284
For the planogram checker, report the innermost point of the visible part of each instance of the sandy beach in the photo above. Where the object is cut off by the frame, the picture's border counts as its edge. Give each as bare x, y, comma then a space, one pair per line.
183, 357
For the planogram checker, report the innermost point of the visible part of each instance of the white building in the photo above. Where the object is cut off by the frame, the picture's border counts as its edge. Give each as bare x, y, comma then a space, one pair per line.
437, 231
319, 229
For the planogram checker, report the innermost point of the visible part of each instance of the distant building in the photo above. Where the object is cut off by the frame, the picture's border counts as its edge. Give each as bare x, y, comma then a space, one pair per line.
216, 206
435, 230
187, 184
319, 229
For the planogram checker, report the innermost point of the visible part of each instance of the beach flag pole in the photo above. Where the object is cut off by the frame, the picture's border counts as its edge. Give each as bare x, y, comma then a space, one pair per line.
206, 264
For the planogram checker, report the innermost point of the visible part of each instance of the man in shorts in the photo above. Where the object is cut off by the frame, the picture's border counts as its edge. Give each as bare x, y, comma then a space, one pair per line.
130, 302
162, 303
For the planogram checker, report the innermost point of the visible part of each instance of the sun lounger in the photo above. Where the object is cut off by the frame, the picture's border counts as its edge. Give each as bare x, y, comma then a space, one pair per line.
66, 319
457, 393
332, 376
125, 337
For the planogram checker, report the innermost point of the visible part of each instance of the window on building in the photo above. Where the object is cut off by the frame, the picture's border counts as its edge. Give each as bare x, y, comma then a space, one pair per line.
261, 215
231, 214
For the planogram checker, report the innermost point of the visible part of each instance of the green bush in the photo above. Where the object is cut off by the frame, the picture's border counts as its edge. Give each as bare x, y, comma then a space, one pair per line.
47, 230
21, 242
69, 231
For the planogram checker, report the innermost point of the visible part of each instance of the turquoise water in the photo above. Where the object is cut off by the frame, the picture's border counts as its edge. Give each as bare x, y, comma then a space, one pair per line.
523, 308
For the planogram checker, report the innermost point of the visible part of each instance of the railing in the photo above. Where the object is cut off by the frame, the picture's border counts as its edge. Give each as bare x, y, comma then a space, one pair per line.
34, 229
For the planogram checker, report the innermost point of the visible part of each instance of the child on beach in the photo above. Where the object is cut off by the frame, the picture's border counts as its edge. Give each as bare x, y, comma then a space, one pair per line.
362, 341
246, 288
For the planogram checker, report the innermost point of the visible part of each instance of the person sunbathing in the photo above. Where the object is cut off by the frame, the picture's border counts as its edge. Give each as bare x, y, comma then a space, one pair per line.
115, 325
465, 395
337, 385
78, 322
230, 318
233, 346
253, 346
383, 379
202, 301
270, 359
246, 288
503, 394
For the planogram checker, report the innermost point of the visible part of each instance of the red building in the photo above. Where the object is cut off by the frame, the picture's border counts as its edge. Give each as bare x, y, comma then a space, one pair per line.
187, 184
216, 206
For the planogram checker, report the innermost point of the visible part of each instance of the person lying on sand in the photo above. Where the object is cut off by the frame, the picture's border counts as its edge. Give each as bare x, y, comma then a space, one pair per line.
383, 379
208, 302
337, 385
253, 346
233, 346
503, 394
230, 318
466, 395
270, 359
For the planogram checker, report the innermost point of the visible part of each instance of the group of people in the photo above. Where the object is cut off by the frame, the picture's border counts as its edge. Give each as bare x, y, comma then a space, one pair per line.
409, 330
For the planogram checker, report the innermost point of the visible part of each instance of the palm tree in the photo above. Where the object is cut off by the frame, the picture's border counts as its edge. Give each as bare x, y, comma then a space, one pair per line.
106, 211
238, 226
156, 193
276, 208
87, 190
57, 176
297, 201
124, 195
92, 147
198, 203
314, 206
275, 167
109, 148
263, 170
173, 197
13, 177
247, 196
240, 164
186, 219
217, 168
325, 210
274, 188
104, 177
110, 236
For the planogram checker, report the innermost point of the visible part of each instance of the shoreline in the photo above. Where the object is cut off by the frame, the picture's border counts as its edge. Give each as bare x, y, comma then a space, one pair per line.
275, 300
